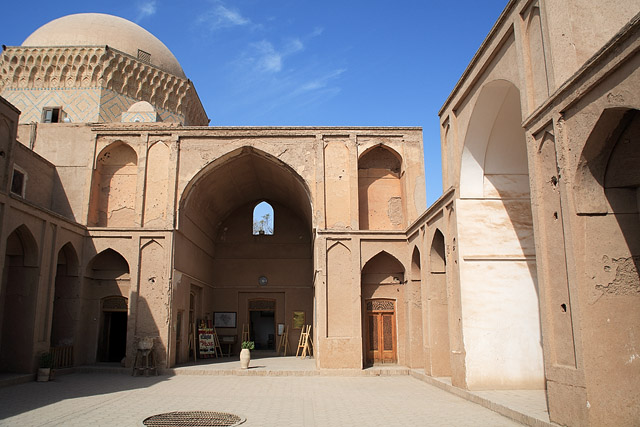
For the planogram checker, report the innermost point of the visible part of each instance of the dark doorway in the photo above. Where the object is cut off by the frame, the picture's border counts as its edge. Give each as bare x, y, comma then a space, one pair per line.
114, 336
263, 329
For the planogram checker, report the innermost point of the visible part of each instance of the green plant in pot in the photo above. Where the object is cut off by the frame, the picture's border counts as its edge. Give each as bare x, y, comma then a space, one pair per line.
45, 366
245, 353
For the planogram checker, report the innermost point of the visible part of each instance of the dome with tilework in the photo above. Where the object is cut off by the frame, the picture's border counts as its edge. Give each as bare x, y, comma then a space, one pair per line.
97, 29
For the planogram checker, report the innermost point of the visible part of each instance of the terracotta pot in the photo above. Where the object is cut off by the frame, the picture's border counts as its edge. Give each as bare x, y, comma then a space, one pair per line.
245, 358
43, 374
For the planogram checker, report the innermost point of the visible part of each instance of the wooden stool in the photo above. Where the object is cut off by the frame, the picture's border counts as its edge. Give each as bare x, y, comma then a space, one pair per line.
145, 362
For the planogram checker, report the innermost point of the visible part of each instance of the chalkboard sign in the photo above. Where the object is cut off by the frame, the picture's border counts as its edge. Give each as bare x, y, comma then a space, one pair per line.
206, 343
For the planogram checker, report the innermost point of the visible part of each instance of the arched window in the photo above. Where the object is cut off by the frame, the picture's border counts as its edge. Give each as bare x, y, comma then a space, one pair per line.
263, 219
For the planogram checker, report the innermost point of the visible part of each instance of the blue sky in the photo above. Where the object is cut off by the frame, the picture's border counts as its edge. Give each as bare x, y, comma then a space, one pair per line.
306, 63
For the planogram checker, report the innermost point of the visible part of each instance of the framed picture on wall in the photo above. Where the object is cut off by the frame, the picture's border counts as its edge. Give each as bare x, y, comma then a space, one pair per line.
298, 319
224, 319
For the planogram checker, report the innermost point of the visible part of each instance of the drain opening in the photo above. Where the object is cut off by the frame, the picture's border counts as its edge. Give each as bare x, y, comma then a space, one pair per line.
194, 419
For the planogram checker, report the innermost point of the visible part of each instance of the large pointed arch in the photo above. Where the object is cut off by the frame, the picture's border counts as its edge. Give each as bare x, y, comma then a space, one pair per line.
215, 222
497, 264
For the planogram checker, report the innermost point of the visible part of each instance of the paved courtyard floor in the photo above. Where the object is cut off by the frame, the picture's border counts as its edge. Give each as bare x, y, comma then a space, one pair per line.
102, 399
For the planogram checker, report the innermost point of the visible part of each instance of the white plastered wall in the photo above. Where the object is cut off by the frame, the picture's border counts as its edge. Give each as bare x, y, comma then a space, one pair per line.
501, 321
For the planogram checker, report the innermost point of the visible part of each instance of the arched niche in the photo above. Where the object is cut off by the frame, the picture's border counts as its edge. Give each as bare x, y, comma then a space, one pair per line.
107, 276
114, 187
415, 264
18, 301
66, 300
383, 269
537, 75
108, 265
439, 360
437, 258
380, 189
607, 197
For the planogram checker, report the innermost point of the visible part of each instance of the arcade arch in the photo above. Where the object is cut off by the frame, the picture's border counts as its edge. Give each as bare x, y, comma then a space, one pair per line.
497, 253
66, 300
18, 301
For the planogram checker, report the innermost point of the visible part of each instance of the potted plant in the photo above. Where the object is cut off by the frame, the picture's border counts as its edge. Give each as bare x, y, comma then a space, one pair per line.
245, 354
45, 365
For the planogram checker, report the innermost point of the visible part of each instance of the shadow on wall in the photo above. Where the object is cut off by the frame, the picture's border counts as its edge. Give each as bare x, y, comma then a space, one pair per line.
609, 184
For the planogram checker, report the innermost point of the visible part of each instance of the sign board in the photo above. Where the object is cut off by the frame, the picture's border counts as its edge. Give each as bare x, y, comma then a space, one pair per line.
206, 343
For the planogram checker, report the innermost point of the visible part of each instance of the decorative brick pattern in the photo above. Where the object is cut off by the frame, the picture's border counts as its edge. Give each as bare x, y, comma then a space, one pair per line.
93, 84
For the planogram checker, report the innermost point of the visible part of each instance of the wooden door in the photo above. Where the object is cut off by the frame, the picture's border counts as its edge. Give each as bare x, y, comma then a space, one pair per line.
381, 331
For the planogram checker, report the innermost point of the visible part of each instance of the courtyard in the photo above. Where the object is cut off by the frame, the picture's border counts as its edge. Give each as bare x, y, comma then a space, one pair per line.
113, 399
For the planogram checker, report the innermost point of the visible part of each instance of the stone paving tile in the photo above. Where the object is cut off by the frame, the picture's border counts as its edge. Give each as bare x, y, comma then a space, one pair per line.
120, 400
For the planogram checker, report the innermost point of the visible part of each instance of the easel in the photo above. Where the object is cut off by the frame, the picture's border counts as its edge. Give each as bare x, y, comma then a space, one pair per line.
284, 341
305, 343
245, 333
216, 344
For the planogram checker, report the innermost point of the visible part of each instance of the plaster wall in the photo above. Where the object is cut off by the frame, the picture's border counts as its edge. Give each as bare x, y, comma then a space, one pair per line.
40, 177
602, 274
338, 172
577, 29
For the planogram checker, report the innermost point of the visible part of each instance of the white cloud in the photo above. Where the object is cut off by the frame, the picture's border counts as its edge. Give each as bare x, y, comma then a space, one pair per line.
229, 16
268, 59
220, 16
146, 8
264, 57
293, 46
319, 83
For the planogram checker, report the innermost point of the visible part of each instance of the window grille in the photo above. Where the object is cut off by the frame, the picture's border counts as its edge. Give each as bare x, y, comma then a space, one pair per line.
144, 56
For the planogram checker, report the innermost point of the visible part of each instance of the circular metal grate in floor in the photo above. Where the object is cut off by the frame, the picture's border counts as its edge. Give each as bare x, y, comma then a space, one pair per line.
194, 419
